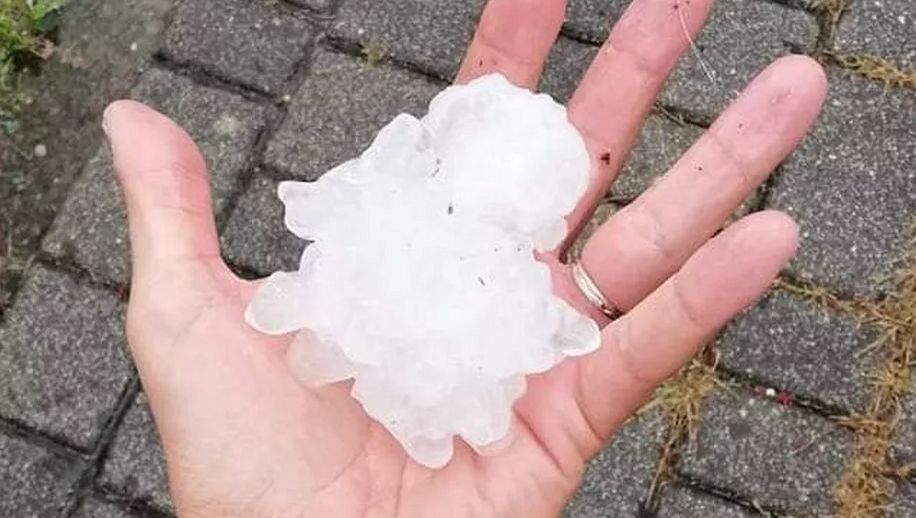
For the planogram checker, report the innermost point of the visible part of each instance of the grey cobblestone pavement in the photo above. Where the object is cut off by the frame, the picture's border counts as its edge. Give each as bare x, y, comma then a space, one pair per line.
135, 463
782, 458
903, 450
678, 501
285, 89
812, 352
621, 477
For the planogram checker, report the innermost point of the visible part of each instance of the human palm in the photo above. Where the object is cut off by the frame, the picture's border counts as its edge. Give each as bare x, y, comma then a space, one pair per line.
243, 437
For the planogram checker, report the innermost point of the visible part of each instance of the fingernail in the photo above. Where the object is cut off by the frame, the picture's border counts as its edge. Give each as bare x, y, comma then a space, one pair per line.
106, 120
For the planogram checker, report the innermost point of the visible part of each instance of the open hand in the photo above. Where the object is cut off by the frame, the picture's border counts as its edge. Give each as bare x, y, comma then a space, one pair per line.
243, 438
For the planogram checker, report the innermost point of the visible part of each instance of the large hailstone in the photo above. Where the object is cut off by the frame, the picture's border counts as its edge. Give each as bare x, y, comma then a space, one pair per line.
421, 282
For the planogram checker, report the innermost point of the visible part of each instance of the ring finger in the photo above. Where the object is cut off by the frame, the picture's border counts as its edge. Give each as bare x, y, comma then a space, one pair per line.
641, 246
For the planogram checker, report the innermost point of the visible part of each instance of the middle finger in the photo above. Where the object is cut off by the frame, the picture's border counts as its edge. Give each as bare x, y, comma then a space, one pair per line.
642, 245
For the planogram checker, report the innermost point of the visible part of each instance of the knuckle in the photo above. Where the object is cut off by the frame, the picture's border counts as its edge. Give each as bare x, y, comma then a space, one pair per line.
645, 232
692, 312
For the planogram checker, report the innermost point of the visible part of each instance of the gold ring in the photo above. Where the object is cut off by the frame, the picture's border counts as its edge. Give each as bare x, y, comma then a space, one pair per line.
591, 292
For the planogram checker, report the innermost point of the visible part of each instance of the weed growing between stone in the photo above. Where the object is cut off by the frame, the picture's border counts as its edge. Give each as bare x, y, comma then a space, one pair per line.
865, 488
834, 9
866, 485
24, 29
681, 399
865, 312
876, 68
374, 52
25, 41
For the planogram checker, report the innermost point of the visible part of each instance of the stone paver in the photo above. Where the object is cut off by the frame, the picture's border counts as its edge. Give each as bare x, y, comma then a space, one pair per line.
34, 482
62, 357
61, 344
101, 47
785, 458
91, 230
432, 34
850, 186
681, 502
256, 236
135, 465
659, 147
790, 344
339, 109
97, 508
565, 67
740, 39
618, 480
255, 42
880, 27
903, 501
320, 6
592, 19
903, 450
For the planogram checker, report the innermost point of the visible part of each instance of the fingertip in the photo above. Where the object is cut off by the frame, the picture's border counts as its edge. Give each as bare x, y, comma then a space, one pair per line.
774, 113
768, 228
143, 139
118, 106
737, 267
162, 139
514, 38
803, 67
797, 77
164, 183
773, 223
779, 230
764, 242
123, 110
781, 223
807, 71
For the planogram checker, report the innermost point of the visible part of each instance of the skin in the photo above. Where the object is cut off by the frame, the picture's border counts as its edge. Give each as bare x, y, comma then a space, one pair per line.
243, 438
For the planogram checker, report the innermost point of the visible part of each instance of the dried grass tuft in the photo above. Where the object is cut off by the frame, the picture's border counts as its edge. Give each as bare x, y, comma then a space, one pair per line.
876, 68
833, 9
866, 485
681, 399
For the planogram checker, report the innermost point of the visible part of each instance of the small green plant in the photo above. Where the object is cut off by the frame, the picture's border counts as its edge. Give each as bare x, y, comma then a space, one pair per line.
374, 52
22, 23
24, 26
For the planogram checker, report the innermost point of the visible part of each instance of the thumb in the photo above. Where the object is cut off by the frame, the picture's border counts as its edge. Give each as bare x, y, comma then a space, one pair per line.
164, 181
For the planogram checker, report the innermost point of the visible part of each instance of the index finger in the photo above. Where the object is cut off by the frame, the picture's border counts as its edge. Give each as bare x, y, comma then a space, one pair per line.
514, 38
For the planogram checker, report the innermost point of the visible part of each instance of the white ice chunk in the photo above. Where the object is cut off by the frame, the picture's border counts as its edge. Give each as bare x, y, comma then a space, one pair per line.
275, 308
316, 363
421, 281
